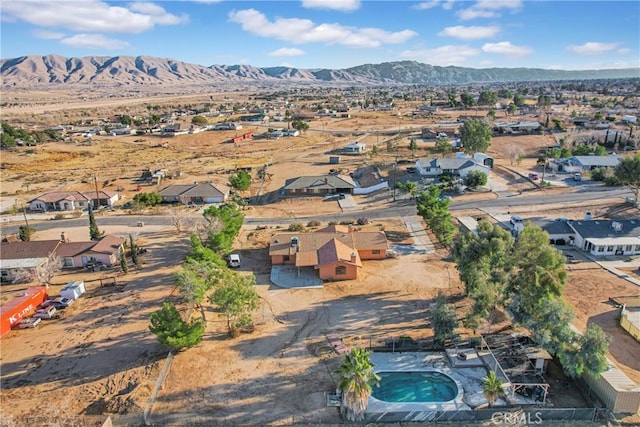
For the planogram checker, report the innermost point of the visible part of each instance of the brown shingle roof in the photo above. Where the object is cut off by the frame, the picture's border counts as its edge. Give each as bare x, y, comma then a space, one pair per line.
359, 240
56, 196
108, 244
335, 251
72, 249
31, 249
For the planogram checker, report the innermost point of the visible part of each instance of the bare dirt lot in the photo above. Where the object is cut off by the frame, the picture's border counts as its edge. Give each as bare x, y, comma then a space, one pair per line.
101, 358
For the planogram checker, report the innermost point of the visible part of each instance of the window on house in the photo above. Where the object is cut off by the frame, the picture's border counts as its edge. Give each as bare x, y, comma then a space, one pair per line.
600, 248
376, 251
628, 248
637, 248
287, 258
609, 248
67, 262
341, 270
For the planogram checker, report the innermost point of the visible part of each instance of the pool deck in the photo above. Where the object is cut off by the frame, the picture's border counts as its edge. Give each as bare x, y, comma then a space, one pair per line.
467, 378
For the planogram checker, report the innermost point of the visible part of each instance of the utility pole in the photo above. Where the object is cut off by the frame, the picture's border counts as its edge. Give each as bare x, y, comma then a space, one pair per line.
95, 181
26, 221
395, 166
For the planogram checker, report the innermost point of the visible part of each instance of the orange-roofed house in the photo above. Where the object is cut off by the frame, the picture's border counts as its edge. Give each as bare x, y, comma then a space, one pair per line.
336, 251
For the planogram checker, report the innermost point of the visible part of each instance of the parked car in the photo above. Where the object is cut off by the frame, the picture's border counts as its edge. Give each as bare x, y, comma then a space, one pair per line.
412, 170
534, 176
233, 260
29, 322
515, 219
577, 177
46, 313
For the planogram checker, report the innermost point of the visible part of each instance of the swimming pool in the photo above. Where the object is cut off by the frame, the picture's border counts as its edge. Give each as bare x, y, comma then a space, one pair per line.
415, 387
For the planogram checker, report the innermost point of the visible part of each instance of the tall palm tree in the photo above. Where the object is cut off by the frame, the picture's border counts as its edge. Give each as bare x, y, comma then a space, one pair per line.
492, 387
356, 378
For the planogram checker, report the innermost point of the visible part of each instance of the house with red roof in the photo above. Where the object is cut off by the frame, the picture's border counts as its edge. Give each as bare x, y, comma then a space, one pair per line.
336, 252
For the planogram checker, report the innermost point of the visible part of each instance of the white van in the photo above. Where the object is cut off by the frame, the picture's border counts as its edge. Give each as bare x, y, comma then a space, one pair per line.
577, 176
233, 260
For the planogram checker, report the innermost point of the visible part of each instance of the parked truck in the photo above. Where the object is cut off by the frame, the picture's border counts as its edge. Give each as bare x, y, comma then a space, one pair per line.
22, 306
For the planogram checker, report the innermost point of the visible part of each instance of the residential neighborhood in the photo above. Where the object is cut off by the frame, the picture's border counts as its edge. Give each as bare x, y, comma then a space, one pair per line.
337, 220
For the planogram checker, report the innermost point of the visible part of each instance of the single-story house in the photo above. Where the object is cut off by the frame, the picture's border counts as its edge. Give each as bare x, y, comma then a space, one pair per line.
335, 251
559, 231
78, 254
72, 200
458, 167
586, 163
354, 148
516, 127
319, 185
202, 193
607, 237
20, 256
35, 254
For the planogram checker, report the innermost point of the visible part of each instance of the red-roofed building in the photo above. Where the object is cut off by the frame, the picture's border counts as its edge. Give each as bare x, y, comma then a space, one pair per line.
335, 251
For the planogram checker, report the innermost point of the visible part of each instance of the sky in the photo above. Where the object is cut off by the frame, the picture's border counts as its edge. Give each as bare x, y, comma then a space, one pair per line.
335, 34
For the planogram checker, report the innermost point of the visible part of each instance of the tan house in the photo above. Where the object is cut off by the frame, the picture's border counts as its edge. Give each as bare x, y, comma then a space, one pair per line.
335, 251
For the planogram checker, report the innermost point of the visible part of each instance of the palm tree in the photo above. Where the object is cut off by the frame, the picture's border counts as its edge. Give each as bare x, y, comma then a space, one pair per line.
492, 387
356, 378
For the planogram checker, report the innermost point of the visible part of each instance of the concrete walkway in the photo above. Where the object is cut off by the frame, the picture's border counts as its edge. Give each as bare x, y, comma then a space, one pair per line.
421, 242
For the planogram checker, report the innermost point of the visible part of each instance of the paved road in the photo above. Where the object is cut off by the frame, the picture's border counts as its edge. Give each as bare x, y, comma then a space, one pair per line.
401, 208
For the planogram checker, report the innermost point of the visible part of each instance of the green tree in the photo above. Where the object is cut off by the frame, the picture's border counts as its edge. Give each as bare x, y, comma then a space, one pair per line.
518, 100
484, 263
148, 199
223, 225
492, 387
444, 320
443, 145
357, 377
240, 181
413, 145
199, 120
133, 248
487, 97
237, 298
544, 101
125, 120
475, 135
7, 141
435, 212
124, 265
475, 179
173, 332
25, 233
628, 172
94, 231
467, 100
300, 125
512, 109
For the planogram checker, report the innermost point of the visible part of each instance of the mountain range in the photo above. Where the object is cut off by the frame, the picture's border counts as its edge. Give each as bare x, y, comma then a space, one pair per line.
38, 71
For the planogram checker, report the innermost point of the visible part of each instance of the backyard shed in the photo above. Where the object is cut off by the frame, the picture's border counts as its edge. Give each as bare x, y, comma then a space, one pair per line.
617, 391
73, 290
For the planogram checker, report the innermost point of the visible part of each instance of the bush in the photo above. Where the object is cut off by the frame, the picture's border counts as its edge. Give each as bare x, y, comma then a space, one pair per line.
314, 223
612, 180
475, 179
296, 226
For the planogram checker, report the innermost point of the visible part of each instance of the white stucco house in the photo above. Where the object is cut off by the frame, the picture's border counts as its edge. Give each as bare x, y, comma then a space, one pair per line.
459, 167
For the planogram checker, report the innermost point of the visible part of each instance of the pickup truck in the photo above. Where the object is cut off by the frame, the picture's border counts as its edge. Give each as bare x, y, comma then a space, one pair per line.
29, 322
46, 313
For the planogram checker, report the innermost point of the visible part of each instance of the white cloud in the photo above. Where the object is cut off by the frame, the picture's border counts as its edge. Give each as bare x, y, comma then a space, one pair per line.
469, 33
443, 55
94, 41
506, 48
623, 51
593, 48
287, 51
299, 31
47, 35
426, 5
205, 1
90, 15
488, 9
344, 5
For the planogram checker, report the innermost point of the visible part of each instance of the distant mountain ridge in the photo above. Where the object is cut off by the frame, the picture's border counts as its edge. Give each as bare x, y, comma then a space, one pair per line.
27, 71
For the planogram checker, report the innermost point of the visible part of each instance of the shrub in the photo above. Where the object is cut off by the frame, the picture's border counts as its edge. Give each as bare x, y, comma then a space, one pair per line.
296, 226
314, 223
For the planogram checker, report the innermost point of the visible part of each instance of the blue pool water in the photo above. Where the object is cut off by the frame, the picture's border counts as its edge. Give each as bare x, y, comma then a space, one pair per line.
415, 387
